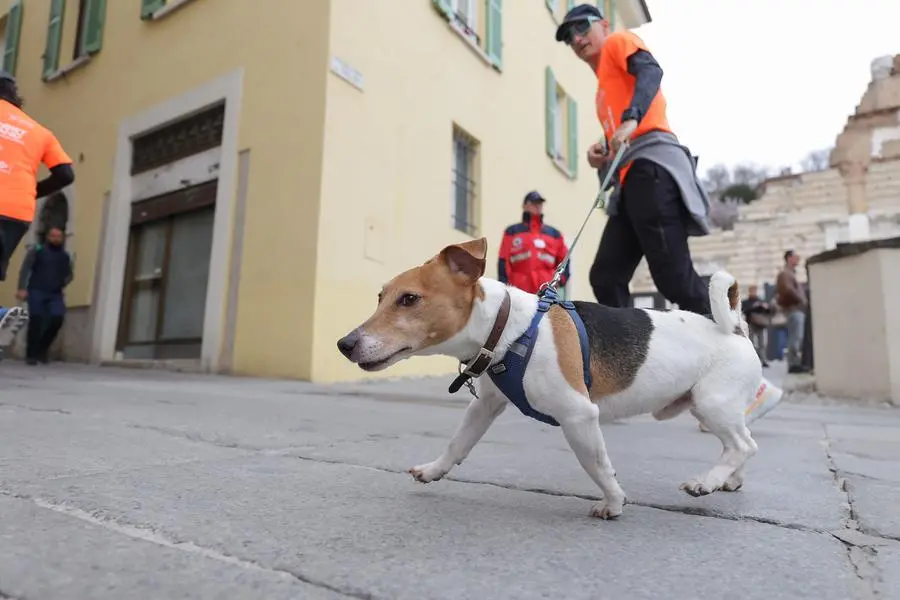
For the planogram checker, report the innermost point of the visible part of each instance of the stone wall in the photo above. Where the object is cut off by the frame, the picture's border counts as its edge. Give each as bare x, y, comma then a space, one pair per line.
811, 212
805, 212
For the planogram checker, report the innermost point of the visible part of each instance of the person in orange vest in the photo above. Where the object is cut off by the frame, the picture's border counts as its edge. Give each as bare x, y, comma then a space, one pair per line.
24, 145
531, 250
657, 200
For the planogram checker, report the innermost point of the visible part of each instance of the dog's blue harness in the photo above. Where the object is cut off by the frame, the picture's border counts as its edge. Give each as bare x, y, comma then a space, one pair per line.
509, 374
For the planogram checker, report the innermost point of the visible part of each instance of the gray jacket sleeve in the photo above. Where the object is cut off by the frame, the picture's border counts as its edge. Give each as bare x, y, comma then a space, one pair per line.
648, 77
25, 270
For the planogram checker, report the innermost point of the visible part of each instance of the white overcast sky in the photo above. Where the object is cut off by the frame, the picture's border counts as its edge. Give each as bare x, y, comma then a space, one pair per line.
766, 81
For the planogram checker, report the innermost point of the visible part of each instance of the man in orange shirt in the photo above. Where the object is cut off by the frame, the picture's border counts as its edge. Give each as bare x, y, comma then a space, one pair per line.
24, 145
657, 200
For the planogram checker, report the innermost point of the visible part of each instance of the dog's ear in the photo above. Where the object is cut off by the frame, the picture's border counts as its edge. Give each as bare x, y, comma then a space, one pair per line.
467, 258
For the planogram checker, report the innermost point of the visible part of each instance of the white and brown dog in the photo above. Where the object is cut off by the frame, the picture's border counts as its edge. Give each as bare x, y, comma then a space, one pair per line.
641, 361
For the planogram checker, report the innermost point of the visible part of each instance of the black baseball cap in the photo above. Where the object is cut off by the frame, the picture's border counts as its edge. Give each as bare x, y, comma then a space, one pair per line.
582, 12
6, 76
534, 197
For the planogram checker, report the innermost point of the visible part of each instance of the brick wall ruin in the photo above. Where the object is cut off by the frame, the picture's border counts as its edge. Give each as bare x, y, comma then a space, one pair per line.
811, 212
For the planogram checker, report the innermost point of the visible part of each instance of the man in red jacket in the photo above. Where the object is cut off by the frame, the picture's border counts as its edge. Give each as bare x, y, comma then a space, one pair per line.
530, 250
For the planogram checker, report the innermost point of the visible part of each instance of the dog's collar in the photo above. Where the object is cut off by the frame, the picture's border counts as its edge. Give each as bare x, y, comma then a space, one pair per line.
476, 366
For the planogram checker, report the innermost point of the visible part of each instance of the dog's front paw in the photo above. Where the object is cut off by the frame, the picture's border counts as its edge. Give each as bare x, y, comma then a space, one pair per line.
697, 487
606, 510
428, 472
733, 483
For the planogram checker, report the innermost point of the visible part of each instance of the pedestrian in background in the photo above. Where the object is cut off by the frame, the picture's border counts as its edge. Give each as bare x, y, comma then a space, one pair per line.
531, 250
758, 314
793, 302
46, 271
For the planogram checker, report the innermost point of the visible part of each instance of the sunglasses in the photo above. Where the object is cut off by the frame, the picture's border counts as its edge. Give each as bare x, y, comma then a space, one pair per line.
579, 28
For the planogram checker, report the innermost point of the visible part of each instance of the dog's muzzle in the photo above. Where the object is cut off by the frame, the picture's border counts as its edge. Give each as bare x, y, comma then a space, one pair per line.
348, 343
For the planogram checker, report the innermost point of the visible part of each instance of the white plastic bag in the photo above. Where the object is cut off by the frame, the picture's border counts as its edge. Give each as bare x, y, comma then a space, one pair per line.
767, 397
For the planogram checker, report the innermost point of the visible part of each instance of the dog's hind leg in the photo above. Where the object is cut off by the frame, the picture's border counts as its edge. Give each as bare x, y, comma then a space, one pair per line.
581, 426
479, 415
725, 419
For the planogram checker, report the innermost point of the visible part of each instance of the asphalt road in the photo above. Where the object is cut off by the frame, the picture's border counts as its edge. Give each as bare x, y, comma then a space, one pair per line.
127, 484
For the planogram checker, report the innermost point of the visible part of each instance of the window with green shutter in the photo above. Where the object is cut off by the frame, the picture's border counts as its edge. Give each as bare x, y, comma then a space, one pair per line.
494, 31
608, 8
479, 22
90, 27
550, 112
572, 122
13, 29
148, 7
54, 37
561, 126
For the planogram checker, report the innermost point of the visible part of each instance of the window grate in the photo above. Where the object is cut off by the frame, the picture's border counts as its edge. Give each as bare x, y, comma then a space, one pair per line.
464, 184
178, 140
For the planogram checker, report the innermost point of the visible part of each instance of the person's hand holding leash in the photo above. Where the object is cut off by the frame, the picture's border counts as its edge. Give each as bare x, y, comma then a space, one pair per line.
622, 135
597, 155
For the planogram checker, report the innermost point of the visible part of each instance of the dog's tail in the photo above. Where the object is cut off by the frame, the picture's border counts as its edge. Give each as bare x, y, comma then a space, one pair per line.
725, 302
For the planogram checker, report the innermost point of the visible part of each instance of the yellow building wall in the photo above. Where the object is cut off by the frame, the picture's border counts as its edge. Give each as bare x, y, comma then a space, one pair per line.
386, 182
141, 64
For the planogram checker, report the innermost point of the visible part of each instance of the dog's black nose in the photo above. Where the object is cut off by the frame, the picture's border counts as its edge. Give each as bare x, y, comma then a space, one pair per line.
347, 343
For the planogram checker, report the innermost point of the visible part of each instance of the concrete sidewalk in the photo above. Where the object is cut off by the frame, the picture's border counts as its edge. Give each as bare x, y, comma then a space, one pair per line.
145, 484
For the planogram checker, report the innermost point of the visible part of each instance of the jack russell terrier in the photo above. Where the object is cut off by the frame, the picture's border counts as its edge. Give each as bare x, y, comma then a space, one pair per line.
640, 361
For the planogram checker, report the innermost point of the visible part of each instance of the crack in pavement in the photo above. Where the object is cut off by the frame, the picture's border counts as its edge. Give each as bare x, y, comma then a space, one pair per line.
197, 437
156, 536
5, 596
860, 545
862, 558
696, 511
36, 409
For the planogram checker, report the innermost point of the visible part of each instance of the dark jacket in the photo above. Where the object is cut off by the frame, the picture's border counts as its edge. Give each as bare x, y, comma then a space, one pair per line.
790, 294
756, 311
46, 268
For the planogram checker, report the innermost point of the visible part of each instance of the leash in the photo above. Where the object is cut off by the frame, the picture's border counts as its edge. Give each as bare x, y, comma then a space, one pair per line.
481, 362
599, 203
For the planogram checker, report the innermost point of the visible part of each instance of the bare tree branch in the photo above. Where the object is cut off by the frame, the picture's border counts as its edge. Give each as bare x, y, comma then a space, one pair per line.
817, 160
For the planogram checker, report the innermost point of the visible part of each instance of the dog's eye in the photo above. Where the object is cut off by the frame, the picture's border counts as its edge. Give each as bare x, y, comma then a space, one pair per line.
407, 299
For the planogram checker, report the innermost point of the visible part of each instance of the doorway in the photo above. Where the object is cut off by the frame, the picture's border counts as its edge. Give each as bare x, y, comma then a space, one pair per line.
166, 275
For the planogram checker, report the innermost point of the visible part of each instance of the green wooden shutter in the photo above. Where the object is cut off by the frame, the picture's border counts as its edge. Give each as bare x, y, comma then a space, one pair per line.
551, 4
443, 7
13, 28
570, 4
148, 7
54, 36
550, 112
495, 31
572, 110
92, 33
612, 15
